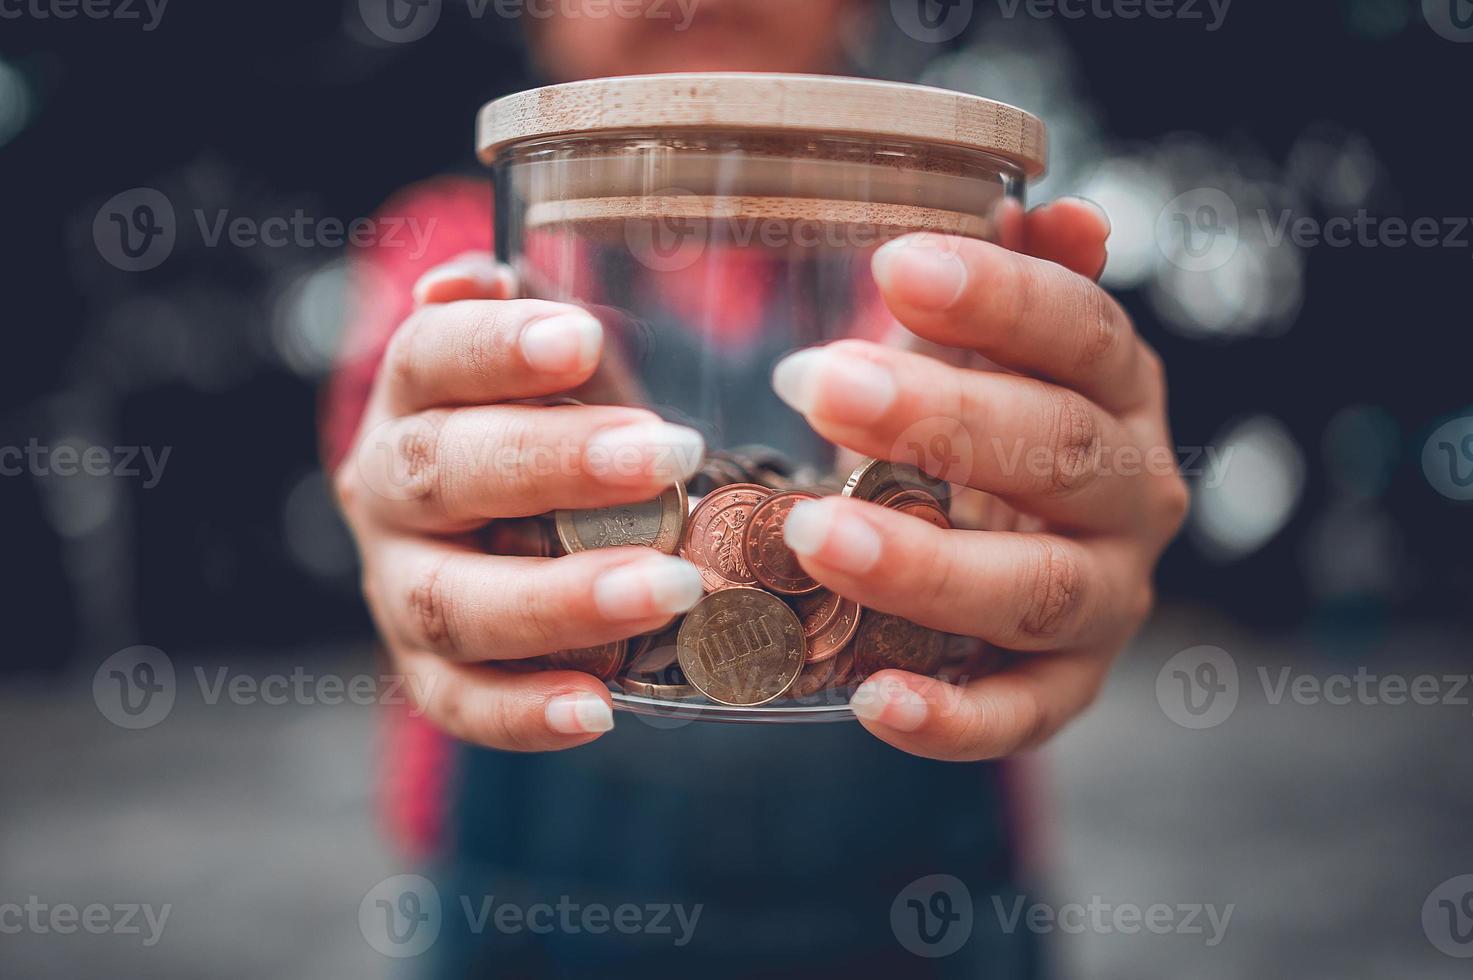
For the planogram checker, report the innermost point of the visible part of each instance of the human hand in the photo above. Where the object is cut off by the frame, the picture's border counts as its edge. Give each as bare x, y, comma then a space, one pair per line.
444, 448
1073, 434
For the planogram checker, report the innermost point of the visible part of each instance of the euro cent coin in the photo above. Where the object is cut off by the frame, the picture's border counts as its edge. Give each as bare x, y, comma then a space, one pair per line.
713, 535
774, 564
654, 524
741, 647
886, 642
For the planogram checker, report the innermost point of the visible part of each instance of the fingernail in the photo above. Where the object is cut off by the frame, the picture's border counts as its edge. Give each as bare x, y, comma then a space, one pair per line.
579, 714
890, 703
856, 390
1096, 208
819, 529
484, 273
563, 344
655, 586
645, 452
924, 271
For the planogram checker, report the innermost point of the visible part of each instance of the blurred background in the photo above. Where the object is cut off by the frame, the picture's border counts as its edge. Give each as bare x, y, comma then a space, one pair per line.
1320, 391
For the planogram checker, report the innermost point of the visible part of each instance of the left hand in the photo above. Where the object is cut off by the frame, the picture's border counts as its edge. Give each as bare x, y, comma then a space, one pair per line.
1073, 434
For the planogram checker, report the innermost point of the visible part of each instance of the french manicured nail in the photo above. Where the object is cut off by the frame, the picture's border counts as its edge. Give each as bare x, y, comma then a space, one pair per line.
483, 273
645, 451
890, 703
579, 714
655, 586
819, 529
563, 344
837, 385
921, 270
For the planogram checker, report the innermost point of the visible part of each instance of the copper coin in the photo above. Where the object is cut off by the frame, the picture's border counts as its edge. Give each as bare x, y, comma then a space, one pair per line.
816, 678
816, 610
713, 535
889, 642
602, 662
715, 473
654, 653
741, 647
531, 537
654, 524
874, 479
766, 553
837, 634
658, 692
919, 503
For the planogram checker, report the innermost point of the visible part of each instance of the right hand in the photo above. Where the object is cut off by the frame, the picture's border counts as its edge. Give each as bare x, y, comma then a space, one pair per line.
443, 450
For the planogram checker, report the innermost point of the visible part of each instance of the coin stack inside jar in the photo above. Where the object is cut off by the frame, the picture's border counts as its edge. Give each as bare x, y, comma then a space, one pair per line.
765, 629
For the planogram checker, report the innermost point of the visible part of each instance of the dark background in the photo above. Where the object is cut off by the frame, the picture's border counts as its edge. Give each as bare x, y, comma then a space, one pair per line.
270, 106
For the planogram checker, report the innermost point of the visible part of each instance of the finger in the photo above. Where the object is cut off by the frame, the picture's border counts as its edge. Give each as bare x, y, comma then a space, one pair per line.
1024, 313
478, 351
454, 470
1016, 591
473, 275
499, 709
472, 608
1041, 447
1071, 232
989, 718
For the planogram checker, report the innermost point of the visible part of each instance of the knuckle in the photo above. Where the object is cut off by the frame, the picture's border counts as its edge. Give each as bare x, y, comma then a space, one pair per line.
1052, 590
403, 360
1175, 503
1074, 436
345, 488
481, 348
1030, 285
429, 606
417, 455
1102, 333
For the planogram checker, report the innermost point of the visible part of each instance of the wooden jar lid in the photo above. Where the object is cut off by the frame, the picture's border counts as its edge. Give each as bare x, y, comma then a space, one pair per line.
807, 104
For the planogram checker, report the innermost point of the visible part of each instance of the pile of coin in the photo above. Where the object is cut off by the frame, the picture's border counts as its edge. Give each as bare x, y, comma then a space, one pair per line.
765, 629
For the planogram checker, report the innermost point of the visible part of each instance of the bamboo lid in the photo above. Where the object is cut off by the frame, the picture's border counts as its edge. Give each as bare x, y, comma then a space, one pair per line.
808, 104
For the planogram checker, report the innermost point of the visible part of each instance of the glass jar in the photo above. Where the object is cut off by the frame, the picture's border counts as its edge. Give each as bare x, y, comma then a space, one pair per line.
714, 224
